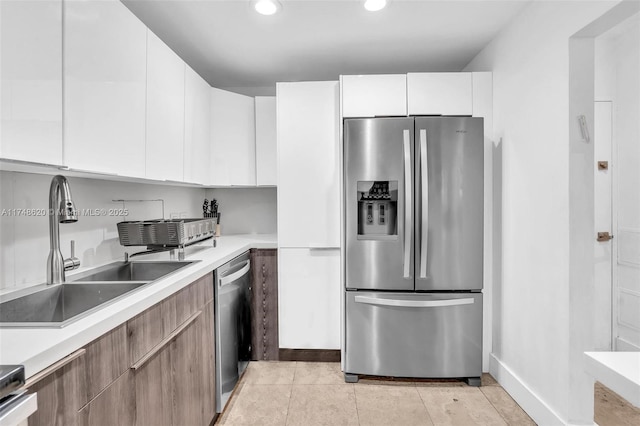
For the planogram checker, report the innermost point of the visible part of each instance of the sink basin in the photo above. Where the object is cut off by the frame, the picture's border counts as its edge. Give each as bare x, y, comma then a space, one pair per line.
56, 305
60, 304
131, 271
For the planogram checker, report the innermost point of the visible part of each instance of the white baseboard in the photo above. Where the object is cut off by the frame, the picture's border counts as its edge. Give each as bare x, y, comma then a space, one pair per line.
534, 406
623, 345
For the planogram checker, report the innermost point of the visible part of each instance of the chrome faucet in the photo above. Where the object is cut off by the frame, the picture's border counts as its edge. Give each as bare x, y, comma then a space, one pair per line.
61, 210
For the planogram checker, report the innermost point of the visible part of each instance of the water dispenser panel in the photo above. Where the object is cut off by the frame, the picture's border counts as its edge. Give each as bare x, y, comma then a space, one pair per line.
377, 209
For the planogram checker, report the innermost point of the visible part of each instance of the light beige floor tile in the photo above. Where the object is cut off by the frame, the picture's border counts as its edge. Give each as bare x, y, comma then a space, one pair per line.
232, 400
506, 406
273, 364
322, 405
612, 410
259, 405
318, 373
269, 373
488, 380
390, 405
459, 406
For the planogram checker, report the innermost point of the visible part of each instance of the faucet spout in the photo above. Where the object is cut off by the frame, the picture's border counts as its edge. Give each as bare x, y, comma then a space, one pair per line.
61, 210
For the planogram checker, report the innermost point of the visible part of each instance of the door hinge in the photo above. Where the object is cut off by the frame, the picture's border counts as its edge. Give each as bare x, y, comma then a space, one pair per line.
603, 165
604, 236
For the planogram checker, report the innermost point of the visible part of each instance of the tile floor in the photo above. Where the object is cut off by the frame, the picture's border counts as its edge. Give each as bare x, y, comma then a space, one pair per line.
301, 393
610, 409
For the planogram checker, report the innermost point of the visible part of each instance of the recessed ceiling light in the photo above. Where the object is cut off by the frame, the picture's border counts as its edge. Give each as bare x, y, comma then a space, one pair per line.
267, 7
374, 5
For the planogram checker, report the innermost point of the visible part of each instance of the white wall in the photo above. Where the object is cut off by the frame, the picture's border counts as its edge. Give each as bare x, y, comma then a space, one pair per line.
246, 210
24, 240
530, 64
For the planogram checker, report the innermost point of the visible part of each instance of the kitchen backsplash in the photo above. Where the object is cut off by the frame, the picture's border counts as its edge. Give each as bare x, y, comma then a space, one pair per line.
24, 226
246, 210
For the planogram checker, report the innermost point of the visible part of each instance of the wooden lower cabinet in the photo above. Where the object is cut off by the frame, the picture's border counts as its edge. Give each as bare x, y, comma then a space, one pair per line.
116, 405
264, 305
60, 393
141, 373
175, 386
153, 390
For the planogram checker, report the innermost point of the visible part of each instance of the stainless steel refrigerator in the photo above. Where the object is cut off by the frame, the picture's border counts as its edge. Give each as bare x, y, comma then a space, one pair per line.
413, 247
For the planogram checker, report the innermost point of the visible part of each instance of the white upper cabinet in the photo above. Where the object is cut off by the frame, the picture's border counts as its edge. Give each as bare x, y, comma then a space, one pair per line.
165, 111
105, 83
31, 81
374, 95
440, 93
266, 148
197, 128
233, 145
308, 120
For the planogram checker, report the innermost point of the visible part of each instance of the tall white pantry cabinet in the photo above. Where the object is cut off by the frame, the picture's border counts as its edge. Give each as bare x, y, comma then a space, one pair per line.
308, 122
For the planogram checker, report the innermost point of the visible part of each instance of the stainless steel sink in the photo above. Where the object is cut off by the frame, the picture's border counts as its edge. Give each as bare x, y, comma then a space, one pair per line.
60, 304
131, 271
56, 305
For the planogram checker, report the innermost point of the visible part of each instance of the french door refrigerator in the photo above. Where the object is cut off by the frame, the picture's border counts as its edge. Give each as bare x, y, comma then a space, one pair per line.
413, 250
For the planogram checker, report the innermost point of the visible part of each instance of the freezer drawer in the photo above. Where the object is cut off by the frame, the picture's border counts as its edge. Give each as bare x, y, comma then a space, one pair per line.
433, 335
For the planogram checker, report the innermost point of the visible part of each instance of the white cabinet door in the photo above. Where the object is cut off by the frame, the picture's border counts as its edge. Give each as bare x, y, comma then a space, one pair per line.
308, 164
105, 83
197, 128
440, 93
374, 95
31, 81
309, 298
266, 155
233, 143
165, 111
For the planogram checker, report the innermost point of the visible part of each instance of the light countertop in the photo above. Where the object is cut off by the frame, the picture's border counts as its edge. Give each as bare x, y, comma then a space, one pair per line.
619, 371
37, 348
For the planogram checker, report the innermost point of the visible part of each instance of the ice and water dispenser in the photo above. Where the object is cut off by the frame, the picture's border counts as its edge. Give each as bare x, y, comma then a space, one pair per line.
377, 209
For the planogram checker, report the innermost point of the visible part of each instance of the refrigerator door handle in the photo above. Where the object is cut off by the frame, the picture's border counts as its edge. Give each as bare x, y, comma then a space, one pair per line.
413, 303
408, 219
424, 183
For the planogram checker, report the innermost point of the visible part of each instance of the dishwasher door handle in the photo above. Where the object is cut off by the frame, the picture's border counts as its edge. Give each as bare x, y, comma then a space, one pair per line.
224, 280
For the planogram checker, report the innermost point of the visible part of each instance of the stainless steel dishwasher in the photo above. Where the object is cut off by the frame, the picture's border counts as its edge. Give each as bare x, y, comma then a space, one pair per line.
232, 290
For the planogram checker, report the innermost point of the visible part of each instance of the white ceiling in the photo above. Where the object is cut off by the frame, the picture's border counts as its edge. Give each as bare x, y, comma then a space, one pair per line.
232, 46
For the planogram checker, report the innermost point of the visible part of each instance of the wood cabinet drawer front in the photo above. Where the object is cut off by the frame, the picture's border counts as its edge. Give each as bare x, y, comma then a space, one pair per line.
60, 395
115, 405
105, 360
147, 329
175, 384
153, 390
206, 283
144, 332
179, 307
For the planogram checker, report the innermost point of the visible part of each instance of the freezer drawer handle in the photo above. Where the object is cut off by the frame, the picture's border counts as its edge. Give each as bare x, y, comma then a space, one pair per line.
413, 303
232, 277
424, 171
408, 219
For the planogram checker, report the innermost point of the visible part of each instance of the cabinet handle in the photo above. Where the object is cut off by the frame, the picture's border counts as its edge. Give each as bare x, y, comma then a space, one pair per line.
53, 368
142, 361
